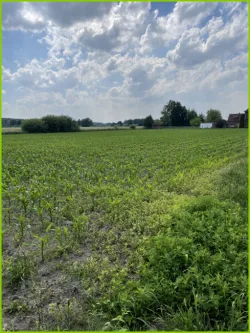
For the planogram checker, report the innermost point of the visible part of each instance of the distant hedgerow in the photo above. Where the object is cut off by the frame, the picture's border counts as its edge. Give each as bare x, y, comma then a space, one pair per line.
50, 124
33, 126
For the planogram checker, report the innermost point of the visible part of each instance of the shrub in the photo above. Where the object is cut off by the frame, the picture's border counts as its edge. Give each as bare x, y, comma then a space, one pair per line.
50, 124
221, 123
34, 126
195, 122
60, 124
132, 127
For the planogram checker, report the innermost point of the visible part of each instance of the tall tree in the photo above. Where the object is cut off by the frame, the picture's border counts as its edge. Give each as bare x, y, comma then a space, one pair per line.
191, 114
87, 122
174, 114
148, 122
202, 117
213, 115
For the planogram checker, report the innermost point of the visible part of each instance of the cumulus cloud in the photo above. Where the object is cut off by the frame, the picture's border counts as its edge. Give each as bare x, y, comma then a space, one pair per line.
22, 16
223, 39
35, 16
120, 60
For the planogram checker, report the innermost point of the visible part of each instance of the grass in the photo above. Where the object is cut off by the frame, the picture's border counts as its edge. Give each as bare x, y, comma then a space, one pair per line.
125, 230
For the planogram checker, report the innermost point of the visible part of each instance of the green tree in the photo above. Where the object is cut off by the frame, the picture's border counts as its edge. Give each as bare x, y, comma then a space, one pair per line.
195, 122
221, 123
119, 123
148, 122
174, 114
86, 122
202, 117
213, 116
157, 122
33, 126
191, 114
166, 116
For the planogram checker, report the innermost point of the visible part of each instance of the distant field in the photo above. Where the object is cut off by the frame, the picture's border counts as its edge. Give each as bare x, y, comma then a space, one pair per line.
99, 128
18, 129
125, 231
11, 129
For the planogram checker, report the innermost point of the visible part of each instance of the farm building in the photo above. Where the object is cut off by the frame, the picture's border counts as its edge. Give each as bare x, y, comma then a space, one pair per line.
236, 120
207, 125
246, 119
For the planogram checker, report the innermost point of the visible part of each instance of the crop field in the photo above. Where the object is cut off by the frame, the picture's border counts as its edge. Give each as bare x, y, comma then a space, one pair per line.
11, 130
125, 230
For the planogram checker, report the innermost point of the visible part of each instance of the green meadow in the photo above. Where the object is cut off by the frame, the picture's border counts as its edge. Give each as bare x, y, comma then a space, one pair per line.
137, 230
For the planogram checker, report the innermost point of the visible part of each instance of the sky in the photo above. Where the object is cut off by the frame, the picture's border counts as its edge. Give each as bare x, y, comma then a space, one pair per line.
116, 61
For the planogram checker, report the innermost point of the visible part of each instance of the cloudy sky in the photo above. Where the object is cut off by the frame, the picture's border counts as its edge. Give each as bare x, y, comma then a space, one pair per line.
115, 61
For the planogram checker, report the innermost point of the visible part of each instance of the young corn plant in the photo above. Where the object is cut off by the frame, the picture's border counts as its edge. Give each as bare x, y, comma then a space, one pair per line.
79, 228
44, 240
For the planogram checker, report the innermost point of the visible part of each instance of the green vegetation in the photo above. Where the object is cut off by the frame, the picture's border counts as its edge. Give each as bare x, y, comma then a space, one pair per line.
50, 124
125, 230
195, 122
148, 122
213, 116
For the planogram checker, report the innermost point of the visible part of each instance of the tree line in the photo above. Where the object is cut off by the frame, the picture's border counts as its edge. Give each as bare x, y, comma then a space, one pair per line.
11, 122
173, 114
50, 124
176, 114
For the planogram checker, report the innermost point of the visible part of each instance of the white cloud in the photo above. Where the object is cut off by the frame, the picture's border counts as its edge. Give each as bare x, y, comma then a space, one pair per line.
223, 40
36, 16
22, 16
104, 58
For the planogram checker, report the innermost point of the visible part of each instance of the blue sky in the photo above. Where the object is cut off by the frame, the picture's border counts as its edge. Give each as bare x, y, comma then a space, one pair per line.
114, 61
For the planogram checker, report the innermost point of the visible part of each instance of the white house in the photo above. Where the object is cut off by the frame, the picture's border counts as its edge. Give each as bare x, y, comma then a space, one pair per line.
207, 125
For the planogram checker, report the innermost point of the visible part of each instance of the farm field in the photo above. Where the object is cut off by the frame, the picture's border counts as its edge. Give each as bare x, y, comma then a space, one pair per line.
11, 129
125, 230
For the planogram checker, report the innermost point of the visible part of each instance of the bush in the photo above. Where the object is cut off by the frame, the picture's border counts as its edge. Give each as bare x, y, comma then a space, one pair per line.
132, 127
195, 122
60, 124
50, 124
221, 123
33, 126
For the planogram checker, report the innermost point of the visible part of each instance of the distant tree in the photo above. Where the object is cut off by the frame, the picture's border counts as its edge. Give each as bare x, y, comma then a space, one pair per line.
148, 122
202, 117
119, 123
60, 124
213, 116
221, 123
86, 122
132, 127
33, 126
166, 116
112, 124
51, 123
174, 114
195, 122
158, 122
191, 114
